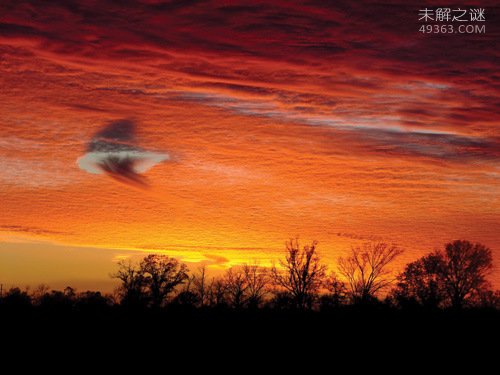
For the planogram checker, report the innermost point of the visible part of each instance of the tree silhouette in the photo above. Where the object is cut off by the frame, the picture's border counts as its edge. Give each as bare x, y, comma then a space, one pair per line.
281, 301
257, 280
337, 293
217, 291
486, 298
161, 275
242, 287
200, 286
151, 282
236, 287
463, 269
366, 269
186, 299
420, 284
452, 277
39, 292
15, 299
131, 290
455, 276
301, 273
91, 301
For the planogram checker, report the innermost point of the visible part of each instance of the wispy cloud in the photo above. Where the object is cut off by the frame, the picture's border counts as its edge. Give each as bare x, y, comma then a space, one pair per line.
31, 230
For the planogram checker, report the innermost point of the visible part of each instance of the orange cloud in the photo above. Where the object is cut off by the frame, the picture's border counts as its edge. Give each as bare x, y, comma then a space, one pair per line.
279, 119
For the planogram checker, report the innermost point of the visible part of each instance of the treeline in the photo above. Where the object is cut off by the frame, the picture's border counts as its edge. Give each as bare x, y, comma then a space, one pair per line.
452, 278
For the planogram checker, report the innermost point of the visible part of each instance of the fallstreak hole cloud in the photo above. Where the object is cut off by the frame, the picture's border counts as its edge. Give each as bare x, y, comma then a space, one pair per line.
113, 151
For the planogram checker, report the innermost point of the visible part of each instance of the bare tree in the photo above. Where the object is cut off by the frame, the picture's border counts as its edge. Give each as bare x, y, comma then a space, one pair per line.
257, 284
236, 287
161, 275
39, 292
366, 269
217, 291
301, 273
241, 287
200, 286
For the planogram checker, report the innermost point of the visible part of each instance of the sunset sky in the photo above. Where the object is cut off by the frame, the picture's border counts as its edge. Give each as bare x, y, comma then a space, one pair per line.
258, 121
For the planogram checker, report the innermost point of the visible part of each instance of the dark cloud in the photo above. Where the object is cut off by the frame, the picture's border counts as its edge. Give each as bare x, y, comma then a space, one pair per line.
113, 151
294, 32
116, 135
14, 30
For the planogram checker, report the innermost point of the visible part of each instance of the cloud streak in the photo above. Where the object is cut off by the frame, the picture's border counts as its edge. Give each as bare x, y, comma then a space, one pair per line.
318, 67
31, 230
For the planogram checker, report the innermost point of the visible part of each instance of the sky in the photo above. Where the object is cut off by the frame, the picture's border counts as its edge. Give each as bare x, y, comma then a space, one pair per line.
213, 131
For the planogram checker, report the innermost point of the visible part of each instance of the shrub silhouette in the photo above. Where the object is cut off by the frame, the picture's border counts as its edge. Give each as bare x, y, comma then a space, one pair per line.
16, 299
336, 295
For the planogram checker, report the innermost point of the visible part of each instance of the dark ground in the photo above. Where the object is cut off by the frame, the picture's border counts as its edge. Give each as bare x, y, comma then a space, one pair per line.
285, 336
